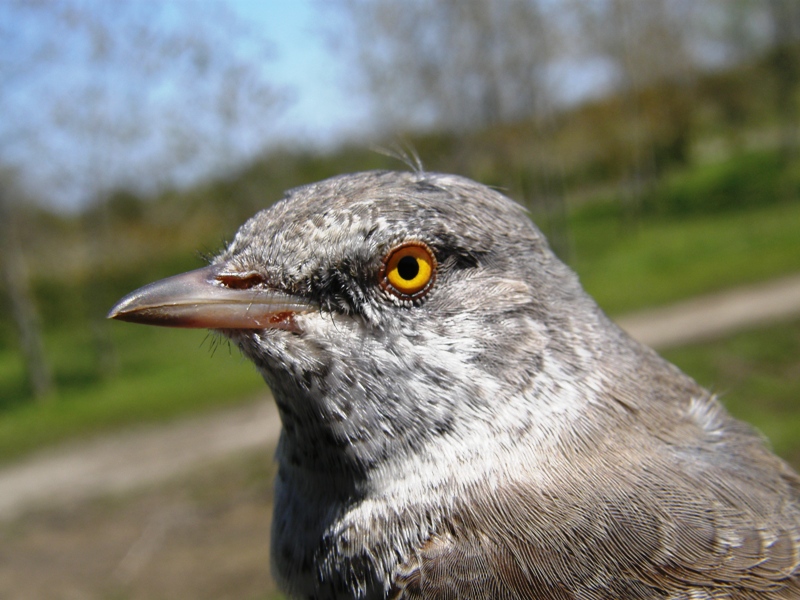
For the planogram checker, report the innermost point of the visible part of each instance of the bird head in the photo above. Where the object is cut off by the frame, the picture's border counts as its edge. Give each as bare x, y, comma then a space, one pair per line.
388, 309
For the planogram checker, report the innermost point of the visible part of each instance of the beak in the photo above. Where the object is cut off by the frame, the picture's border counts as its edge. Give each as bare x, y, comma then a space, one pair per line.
201, 299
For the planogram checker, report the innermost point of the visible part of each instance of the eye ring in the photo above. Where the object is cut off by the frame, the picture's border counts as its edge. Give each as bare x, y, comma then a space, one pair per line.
408, 270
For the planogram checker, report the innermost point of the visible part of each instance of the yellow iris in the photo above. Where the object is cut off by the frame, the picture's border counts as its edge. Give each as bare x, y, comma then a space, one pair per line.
410, 268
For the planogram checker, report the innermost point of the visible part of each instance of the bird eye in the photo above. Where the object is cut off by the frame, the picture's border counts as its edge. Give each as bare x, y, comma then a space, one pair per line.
408, 270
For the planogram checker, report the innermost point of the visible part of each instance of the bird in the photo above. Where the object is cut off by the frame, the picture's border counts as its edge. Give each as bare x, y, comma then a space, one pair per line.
460, 420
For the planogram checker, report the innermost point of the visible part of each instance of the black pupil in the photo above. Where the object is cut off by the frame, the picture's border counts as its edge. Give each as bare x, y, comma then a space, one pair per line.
408, 268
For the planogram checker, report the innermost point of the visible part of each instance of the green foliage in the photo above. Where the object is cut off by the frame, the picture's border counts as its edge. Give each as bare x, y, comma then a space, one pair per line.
751, 179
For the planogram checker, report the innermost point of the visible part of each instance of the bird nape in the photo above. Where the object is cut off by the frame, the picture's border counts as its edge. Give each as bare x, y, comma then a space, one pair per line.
460, 420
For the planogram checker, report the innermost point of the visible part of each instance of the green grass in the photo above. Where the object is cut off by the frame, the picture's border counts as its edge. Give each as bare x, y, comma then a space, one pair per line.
757, 376
658, 261
698, 230
162, 374
746, 180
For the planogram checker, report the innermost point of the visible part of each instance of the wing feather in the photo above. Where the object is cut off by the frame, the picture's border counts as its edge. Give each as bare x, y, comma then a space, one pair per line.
662, 530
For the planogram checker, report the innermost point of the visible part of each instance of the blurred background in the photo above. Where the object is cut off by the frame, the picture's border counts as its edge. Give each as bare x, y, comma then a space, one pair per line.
655, 142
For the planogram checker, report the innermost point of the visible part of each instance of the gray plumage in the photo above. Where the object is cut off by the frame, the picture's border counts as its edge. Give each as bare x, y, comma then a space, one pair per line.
493, 435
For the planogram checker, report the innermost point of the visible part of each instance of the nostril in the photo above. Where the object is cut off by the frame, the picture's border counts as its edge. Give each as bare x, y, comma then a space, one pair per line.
241, 281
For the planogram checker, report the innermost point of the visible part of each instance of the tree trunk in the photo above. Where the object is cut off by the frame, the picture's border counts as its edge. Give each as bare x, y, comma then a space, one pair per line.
23, 310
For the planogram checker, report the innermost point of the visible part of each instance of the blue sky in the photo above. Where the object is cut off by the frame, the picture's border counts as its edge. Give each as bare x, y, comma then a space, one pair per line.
65, 166
324, 109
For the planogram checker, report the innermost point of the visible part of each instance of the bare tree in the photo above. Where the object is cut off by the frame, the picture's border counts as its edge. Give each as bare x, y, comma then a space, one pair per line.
106, 95
17, 289
457, 64
763, 34
649, 48
785, 63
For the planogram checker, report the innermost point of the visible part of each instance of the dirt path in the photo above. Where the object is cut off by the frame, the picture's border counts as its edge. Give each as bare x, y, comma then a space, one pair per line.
711, 316
144, 456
